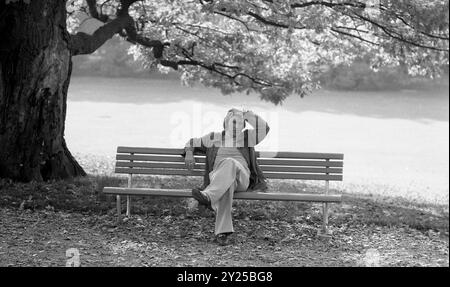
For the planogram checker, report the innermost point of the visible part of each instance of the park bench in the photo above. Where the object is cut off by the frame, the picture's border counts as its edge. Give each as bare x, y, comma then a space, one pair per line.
280, 165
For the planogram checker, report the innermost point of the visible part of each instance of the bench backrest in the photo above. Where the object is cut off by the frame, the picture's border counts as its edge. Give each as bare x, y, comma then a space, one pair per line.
280, 165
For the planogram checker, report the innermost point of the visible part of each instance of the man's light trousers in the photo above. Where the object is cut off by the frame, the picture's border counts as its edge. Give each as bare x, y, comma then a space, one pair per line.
227, 177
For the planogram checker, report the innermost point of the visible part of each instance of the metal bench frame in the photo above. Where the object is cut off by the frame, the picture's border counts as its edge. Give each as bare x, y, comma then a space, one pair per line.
282, 165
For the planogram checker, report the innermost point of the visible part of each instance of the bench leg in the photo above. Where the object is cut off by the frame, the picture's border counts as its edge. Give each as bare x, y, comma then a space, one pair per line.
128, 206
324, 232
325, 219
130, 178
118, 207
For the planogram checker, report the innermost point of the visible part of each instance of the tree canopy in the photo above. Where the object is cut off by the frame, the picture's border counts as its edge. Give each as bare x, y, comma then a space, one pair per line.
274, 47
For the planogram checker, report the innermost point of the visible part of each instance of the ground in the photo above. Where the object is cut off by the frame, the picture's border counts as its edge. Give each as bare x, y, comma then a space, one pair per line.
41, 239
42, 221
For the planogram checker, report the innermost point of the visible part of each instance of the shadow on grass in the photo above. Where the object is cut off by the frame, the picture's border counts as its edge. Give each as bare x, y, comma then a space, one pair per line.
85, 195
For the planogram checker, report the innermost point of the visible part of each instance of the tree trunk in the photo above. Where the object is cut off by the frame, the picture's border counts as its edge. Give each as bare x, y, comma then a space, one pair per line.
35, 67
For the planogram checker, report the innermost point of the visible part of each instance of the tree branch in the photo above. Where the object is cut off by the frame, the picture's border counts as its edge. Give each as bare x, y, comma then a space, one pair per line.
82, 43
348, 8
92, 7
337, 30
395, 35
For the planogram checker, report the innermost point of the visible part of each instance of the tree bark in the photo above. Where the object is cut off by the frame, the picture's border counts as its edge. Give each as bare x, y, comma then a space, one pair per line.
35, 68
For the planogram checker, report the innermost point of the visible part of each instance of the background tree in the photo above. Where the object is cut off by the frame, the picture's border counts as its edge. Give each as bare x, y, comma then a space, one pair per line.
273, 48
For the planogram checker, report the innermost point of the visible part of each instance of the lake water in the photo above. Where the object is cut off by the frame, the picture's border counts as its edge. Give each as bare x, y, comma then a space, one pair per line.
394, 142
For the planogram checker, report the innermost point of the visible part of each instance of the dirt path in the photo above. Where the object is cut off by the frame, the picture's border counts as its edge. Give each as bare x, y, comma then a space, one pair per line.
42, 237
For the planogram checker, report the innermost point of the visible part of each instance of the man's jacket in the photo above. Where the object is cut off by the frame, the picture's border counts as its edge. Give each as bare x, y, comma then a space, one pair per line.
207, 145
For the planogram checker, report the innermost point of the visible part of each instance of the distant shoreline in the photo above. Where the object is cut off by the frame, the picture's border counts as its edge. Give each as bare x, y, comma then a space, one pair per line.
433, 86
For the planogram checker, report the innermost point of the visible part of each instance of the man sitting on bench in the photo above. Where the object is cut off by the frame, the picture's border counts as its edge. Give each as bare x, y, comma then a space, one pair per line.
230, 165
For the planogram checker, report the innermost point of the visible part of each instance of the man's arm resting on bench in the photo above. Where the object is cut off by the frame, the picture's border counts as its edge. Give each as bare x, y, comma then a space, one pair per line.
192, 146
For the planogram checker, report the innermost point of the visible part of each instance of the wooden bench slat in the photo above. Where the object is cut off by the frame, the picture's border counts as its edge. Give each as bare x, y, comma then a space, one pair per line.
157, 158
175, 165
201, 159
299, 155
333, 170
295, 162
198, 172
239, 195
159, 171
180, 165
303, 176
149, 150
261, 154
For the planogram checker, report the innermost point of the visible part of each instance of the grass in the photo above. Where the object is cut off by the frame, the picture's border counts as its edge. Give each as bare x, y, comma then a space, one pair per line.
84, 195
41, 220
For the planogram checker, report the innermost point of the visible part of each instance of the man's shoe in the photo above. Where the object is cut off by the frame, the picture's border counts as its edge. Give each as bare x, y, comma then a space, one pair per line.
201, 198
223, 239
